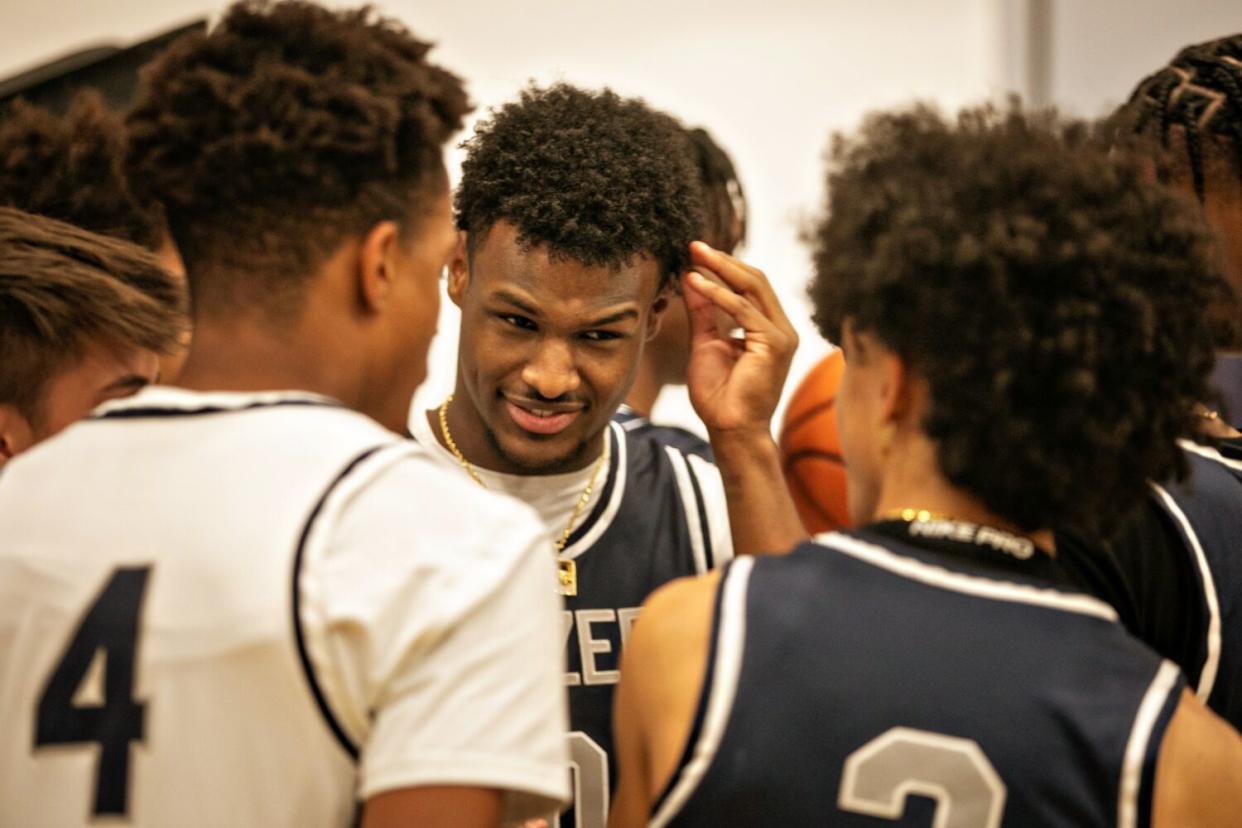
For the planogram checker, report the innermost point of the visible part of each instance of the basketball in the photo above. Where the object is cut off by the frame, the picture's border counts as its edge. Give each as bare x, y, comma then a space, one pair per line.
811, 450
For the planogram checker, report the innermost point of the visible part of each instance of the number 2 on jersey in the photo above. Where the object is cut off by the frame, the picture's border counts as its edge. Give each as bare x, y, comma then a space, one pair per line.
953, 771
110, 626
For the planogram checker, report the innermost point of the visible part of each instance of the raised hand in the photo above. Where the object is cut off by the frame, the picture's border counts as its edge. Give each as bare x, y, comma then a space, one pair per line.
735, 384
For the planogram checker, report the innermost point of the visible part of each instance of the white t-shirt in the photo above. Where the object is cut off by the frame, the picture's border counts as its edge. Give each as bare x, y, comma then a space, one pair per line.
296, 609
553, 496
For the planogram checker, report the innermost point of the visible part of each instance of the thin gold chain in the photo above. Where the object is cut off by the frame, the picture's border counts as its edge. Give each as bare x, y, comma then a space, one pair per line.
583, 499
448, 439
910, 515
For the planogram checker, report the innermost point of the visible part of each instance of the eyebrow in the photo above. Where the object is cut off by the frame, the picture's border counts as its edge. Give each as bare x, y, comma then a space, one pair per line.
526, 308
628, 313
516, 301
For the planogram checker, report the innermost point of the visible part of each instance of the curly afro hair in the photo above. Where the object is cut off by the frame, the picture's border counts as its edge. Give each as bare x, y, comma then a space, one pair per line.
284, 130
72, 168
596, 177
1052, 299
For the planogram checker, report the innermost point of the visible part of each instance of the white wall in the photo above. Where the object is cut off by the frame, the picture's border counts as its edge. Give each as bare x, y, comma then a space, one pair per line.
769, 79
1103, 48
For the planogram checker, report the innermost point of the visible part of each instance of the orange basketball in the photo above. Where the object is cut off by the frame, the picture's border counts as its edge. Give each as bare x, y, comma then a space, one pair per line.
811, 450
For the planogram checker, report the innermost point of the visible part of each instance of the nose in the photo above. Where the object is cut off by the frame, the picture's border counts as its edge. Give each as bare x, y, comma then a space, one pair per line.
551, 370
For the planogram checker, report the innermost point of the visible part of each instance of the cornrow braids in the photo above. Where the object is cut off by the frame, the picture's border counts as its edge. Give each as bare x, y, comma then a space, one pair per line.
724, 200
1200, 90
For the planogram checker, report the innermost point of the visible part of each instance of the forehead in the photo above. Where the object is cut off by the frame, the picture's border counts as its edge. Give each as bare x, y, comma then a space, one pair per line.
558, 284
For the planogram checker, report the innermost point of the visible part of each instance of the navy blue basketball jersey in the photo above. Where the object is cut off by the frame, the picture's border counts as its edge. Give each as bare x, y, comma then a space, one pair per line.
661, 516
874, 678
1206, 510
687, 441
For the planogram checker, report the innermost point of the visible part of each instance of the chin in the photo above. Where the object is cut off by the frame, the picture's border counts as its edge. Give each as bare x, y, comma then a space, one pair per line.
532, 455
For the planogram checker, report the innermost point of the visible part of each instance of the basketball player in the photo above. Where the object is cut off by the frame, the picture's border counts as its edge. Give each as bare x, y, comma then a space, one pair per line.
577, 209
665, 356
985, 279
71, 168
247, 601
1174, 573
85, 319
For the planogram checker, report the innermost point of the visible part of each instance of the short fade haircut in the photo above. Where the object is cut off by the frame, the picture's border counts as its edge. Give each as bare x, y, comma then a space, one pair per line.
281, 132
724, 201
1051, 297
1200, 92
595, 177
62, 287
72, 168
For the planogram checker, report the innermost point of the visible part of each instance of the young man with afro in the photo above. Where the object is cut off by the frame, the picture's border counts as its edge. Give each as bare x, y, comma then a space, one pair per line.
577, 210
667, 354
1017, 312
71, 167
1174, 573
293, 621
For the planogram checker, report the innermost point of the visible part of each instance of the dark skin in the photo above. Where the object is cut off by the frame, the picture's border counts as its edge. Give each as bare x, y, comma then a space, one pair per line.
547, 351
541, 332
363, 335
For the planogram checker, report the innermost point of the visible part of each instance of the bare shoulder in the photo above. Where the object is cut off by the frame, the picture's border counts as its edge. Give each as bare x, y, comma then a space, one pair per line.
675, 621
1199, 769
662, 675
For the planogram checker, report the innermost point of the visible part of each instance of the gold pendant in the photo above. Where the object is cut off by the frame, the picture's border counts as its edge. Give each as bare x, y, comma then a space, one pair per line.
568, 577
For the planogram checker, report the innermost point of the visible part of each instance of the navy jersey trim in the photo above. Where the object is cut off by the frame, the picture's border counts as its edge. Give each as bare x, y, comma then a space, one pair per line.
700, 713
701, 507
729, 643
605, 497
1138, 765
300, 638
1205, 677
1147, 794
155, 412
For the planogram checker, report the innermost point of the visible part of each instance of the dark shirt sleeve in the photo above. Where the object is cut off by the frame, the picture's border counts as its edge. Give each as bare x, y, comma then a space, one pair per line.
1147, 574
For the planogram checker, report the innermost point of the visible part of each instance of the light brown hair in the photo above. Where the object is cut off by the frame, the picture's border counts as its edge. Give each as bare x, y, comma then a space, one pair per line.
61, 287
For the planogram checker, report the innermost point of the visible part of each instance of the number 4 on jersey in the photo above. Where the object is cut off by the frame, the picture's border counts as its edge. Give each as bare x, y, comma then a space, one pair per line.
110, 625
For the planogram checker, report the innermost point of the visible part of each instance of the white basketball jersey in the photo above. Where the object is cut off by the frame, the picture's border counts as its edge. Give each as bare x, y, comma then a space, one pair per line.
258, 609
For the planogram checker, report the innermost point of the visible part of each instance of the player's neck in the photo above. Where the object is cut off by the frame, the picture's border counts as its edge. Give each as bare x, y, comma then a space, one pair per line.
911, 481
244, 357
646, 389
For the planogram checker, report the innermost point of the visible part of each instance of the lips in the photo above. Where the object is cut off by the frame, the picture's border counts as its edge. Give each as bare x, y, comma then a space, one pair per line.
541, 420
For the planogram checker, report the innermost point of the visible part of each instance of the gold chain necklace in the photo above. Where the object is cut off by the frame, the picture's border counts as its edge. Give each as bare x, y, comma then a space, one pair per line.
568, 569
909, 515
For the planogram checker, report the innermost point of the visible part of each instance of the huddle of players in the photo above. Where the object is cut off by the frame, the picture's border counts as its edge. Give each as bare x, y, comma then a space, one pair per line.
321, 612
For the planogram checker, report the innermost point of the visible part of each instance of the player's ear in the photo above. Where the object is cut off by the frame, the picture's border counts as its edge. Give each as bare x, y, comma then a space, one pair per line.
900, 390
378, 265
658, 308
16, 434
459, 269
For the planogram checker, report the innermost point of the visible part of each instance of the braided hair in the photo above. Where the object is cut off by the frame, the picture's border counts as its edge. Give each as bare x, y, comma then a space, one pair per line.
724, 200
1201, 92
